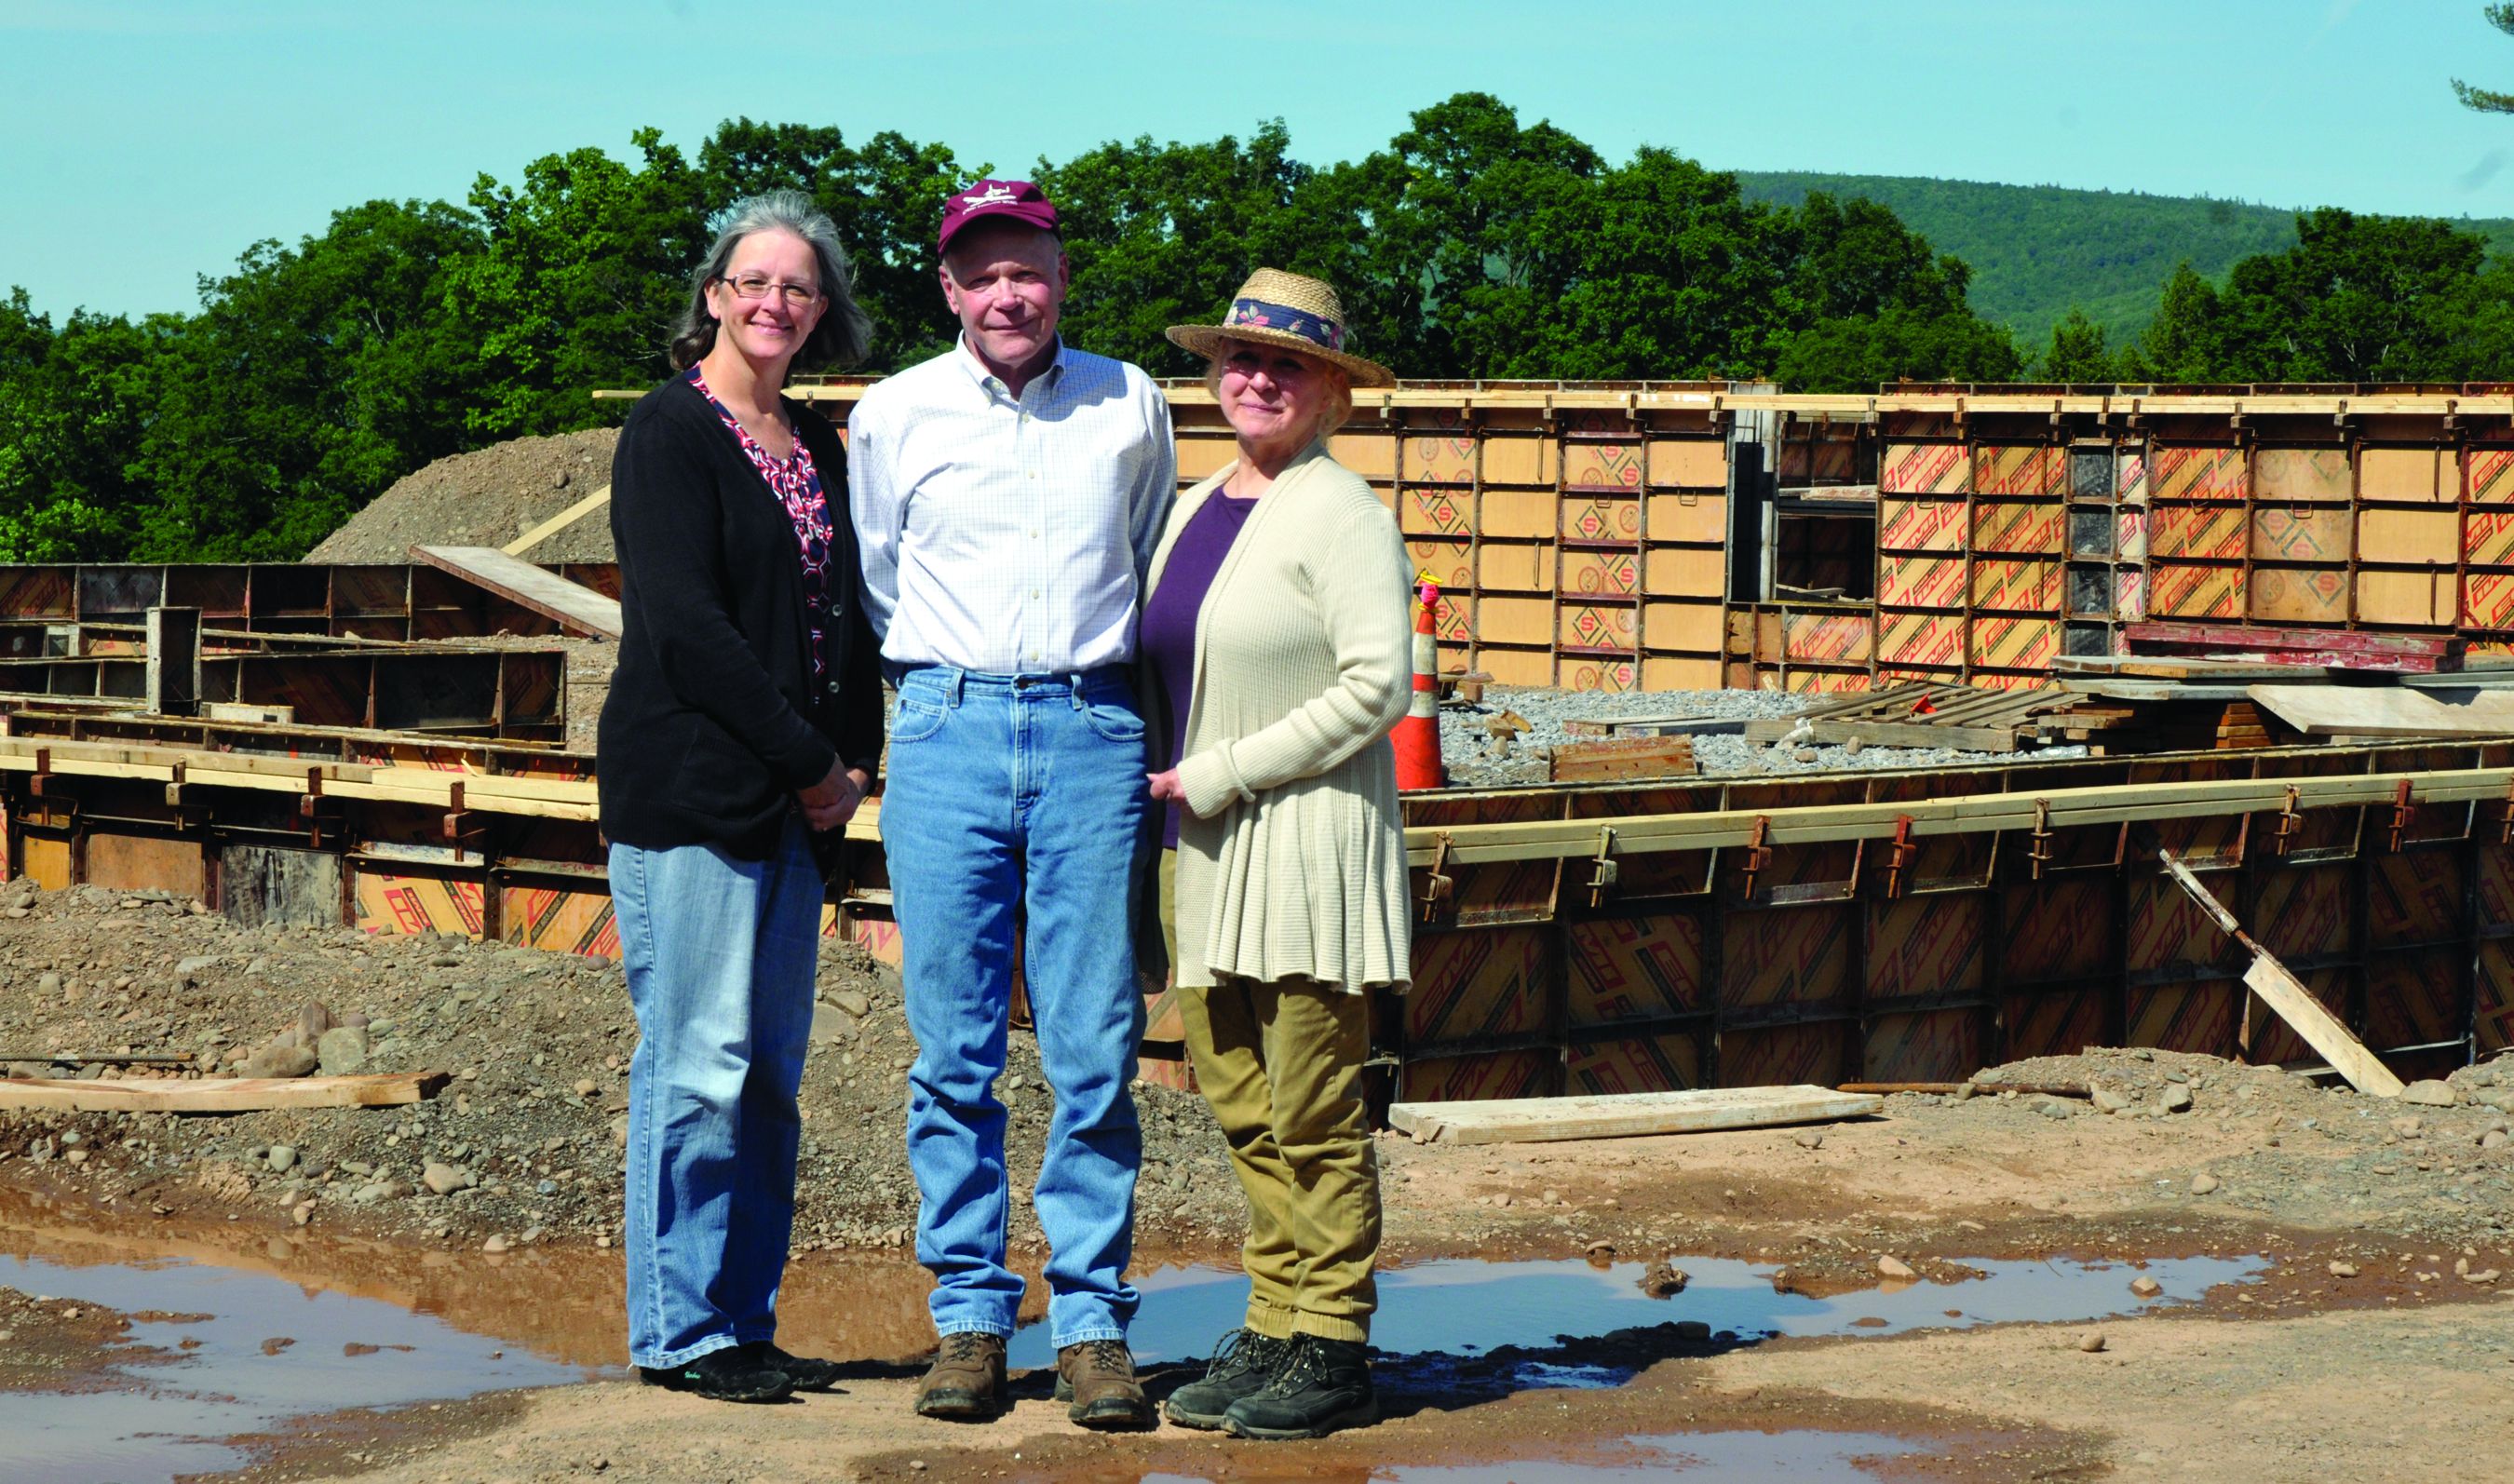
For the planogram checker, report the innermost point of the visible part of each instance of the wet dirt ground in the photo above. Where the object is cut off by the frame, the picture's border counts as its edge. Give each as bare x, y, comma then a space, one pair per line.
1786, 1352
2330, 1264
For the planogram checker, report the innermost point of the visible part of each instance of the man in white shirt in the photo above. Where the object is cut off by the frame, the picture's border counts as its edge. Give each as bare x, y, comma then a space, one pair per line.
1007, 497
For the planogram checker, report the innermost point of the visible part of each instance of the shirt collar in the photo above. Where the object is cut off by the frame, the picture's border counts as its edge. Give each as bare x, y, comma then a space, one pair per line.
978, 373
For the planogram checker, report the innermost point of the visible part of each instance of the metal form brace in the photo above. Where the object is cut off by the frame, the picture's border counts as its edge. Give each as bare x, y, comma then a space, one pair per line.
1898, 856
2037, 844
2291, 821
2403, 812
1437, 885
1758, 854
1605, 869
459, 823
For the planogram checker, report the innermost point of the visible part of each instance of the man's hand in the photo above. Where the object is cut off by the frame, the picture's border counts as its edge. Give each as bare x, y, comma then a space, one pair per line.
1167, 789
829, 803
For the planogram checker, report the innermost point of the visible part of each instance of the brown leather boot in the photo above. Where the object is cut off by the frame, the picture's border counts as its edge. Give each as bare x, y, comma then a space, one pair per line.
1098, 1376
966, 1381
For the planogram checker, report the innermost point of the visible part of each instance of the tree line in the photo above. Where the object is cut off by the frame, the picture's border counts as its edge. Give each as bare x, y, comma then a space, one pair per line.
1474, 246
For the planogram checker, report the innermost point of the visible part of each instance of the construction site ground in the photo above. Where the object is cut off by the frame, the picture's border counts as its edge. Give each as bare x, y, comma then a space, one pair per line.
2371, 1342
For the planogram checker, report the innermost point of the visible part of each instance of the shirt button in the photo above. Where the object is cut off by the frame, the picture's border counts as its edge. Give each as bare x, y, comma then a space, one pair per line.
1033, 592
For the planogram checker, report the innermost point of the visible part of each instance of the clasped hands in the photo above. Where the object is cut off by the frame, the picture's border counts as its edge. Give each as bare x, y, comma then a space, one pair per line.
833, 801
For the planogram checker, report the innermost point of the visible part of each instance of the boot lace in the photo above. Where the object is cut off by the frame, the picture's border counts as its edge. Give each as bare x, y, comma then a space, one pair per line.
963, 1344
1305, 1365
1108, 1358
1242, 1353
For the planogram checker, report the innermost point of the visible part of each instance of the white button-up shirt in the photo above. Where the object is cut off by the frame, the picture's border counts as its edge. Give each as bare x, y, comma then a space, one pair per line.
1009, 535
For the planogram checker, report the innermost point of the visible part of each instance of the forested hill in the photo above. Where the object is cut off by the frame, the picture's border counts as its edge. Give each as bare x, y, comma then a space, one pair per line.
2037, 250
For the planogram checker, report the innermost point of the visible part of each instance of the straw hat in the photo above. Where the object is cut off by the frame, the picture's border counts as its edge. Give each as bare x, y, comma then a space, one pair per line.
1279, 308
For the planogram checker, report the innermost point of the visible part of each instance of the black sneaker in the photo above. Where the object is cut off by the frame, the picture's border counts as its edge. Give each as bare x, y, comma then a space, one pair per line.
807, 1374
1322, 1386
732, 1374
1242, 1366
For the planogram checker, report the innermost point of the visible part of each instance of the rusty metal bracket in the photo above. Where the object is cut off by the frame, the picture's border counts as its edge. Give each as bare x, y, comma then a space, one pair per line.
1758, 854
2038, 845
2505, 830
42, 772
319, 811
2290, 823
2403, 812
1898, 856
1605, 869
1438, 885
459, 827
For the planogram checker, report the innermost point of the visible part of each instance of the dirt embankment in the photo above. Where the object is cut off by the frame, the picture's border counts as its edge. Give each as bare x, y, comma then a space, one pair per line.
488, 498
524, 1146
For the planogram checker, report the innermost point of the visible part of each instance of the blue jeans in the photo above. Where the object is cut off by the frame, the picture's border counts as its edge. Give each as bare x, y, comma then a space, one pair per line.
719, 954
1018, 801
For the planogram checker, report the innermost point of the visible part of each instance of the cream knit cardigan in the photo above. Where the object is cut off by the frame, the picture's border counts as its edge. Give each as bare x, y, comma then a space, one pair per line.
1291, 856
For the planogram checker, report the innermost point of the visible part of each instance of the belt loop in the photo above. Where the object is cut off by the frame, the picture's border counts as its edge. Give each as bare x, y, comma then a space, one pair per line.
957, 675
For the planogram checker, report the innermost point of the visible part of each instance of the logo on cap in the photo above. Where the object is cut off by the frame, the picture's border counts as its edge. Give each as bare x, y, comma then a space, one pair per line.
992, 195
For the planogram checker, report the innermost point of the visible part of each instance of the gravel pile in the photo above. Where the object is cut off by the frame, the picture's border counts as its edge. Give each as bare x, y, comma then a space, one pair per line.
525, 1145
1483, 750
487, 497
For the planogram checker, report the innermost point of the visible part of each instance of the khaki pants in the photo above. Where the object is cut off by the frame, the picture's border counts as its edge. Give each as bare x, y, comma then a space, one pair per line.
1282, 1066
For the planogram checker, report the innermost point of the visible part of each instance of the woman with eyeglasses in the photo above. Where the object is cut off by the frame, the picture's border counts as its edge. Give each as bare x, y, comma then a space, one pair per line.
743, 728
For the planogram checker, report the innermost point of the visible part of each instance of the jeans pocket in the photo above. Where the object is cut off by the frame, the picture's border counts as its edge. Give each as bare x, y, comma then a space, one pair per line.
915, 720
1113, 723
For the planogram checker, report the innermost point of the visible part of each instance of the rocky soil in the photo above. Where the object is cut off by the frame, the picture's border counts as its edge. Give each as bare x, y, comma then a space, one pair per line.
523, 1145
487, 497
1508, 736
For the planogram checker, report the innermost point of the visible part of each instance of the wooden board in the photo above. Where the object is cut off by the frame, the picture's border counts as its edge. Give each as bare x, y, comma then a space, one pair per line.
2360, 710
574, 605
559, 522
1623, 757
217, 1095
1616, 1116
2294, 1003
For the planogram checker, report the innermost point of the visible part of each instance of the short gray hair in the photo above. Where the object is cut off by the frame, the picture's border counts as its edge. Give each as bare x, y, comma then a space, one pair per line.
845, 334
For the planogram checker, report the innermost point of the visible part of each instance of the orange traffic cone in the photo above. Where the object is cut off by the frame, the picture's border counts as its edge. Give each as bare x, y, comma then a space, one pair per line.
1417, 738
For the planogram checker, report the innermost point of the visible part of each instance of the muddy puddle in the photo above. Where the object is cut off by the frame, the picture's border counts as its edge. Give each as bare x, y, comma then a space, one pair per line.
268, 1329
1466, 1306
1803, 1457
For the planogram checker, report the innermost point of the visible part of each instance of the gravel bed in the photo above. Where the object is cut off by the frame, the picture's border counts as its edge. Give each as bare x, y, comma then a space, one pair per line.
1479, 758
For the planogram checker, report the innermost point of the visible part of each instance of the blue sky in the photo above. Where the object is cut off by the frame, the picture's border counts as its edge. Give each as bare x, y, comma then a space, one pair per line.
145, 141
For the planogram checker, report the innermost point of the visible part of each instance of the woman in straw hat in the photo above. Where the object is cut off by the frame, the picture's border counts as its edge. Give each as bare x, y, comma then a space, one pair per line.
1278, 633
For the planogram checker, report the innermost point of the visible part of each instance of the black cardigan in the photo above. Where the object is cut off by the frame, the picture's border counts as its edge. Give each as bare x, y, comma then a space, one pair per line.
713, 722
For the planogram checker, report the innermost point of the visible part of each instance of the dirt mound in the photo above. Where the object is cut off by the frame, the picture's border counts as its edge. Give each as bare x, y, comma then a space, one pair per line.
487, 498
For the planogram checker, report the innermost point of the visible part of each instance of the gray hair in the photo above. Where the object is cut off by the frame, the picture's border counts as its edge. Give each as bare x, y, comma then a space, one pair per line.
845, 334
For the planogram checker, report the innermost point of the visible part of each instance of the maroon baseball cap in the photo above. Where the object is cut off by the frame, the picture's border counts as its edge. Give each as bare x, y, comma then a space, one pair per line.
1018, 199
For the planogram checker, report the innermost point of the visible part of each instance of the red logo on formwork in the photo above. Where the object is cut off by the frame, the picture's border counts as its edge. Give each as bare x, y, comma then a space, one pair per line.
2489, 535
1916, 639
2492, 474
2201, 473
2491, 596
1925, 468
1928, 525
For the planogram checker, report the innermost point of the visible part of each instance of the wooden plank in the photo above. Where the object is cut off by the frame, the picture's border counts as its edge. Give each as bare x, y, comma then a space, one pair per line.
1621, 757
2369, 646
1617, 1115
1914, 734
559, 522
217, 1095
573, 605
2360, 710
2294, 1003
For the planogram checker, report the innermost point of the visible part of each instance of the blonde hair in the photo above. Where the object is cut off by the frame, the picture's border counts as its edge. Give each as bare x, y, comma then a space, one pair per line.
1335, 414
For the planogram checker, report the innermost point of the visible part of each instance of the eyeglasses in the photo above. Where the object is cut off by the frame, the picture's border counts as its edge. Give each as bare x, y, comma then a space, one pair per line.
751, 286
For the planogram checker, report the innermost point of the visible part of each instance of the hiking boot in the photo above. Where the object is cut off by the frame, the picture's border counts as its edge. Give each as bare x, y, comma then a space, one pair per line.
807, 1374
967, 1380
1242, 1363
732, 1374
1098, 1376
1322, 1386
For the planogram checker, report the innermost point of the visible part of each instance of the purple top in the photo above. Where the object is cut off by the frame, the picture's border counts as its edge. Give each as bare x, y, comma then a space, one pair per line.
1168, 635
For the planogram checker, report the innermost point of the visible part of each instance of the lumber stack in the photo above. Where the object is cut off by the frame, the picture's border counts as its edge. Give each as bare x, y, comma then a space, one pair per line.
1922, 714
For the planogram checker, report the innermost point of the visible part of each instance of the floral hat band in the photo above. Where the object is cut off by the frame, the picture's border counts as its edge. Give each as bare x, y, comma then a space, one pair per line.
1287, 309
1325, 333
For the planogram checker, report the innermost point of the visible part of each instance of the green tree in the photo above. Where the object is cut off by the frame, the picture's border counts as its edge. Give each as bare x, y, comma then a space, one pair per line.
2077, 352
2486, 101
68, 424
311, 378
